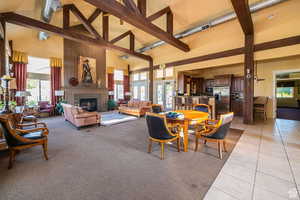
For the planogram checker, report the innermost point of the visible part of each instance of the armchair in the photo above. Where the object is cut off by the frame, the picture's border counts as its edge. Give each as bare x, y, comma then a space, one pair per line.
215, 131
45, 107
159, 132
18, 139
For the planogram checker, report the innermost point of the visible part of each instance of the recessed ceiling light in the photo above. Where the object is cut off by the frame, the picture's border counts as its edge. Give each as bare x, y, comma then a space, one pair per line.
270, 17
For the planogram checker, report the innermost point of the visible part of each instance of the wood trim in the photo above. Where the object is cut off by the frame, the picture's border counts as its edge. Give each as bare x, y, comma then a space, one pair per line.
170, 22
242, 10
138, 21
159, 14
249, 79
233, 52
41, 26
83, 20
92, 18
151, 80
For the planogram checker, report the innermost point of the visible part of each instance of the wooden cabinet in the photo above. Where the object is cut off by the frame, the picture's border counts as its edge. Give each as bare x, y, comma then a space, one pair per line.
223, 80
196, 86
237, 107
237, 84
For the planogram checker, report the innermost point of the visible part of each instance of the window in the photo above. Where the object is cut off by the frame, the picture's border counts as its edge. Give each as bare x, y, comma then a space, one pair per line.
38, 82
143, 76
118, 75
169, 72
136, 77
39, 90
143, 93
159, 73
135, 92
285, 92
119, 92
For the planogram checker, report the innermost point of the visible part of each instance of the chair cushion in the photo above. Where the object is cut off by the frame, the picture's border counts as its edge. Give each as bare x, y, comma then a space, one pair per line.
34, 135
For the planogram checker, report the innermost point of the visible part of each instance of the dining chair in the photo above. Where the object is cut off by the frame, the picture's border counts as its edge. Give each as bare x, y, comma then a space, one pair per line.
156, 108
215, 131
160, 132
19, 139
202, 108
260, 105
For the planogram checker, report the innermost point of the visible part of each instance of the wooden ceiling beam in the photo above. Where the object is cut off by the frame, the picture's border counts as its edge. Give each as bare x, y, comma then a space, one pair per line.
91, 19
159, 13
132, 42
138, 21
242, 10
142, 6
105, 26
83, 20
131, 5
41, 26
66, 17
120, 37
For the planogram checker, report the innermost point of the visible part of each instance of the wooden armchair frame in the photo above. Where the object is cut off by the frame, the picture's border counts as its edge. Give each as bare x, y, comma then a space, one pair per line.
18, 134
211, 127
163, 141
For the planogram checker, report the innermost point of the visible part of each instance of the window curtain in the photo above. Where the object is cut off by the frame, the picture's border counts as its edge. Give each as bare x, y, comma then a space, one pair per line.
19, 68
56, 65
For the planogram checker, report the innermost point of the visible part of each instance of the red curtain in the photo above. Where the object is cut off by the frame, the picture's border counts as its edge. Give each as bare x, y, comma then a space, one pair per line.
126, 86
110, 82
20, 73
55, 83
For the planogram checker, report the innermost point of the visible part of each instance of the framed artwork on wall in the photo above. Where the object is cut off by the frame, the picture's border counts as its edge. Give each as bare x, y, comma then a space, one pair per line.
87, 70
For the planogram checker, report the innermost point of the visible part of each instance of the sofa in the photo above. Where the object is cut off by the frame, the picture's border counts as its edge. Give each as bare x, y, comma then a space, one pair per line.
135, 107
79, 117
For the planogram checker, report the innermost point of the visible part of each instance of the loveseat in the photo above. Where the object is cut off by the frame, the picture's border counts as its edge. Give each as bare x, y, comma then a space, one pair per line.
135, 107
79, 117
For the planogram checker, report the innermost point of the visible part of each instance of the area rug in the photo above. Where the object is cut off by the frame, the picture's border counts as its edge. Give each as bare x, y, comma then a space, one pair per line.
115, 118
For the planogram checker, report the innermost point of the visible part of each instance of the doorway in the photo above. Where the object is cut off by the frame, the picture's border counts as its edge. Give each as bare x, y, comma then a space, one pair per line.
288, 95
164, 93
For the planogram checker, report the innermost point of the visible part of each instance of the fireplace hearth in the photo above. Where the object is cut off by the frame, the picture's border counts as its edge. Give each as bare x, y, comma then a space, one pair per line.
88, 104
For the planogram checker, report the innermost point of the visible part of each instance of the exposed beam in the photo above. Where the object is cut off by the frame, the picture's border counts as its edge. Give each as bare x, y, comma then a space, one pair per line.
170, 22
243, 13
248, 79
120, 37
66, 17
295, 40
138, 21
131, 41
105, 26
159, 14
142, 6
41, 26
91, 19
131, 5
83, 20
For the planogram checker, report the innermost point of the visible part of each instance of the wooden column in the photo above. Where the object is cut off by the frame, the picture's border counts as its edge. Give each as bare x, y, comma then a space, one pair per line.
151, 77
2, 48
249, 79
105, 26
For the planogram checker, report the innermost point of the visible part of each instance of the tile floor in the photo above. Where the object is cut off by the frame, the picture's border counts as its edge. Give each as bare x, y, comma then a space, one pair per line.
265, 164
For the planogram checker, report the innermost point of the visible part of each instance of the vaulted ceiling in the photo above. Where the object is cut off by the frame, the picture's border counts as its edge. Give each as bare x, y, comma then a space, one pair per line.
186, 14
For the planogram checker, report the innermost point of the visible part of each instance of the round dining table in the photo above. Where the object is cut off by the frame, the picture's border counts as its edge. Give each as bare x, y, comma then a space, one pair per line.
190, 117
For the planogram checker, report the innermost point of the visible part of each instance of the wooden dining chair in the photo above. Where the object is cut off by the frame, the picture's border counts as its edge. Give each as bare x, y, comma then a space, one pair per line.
157, 108
215, 131
260, 106
202, 108
160, 132
19, 139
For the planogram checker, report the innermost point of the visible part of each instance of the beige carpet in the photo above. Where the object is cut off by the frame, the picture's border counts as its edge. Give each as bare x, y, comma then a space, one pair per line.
109, 163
